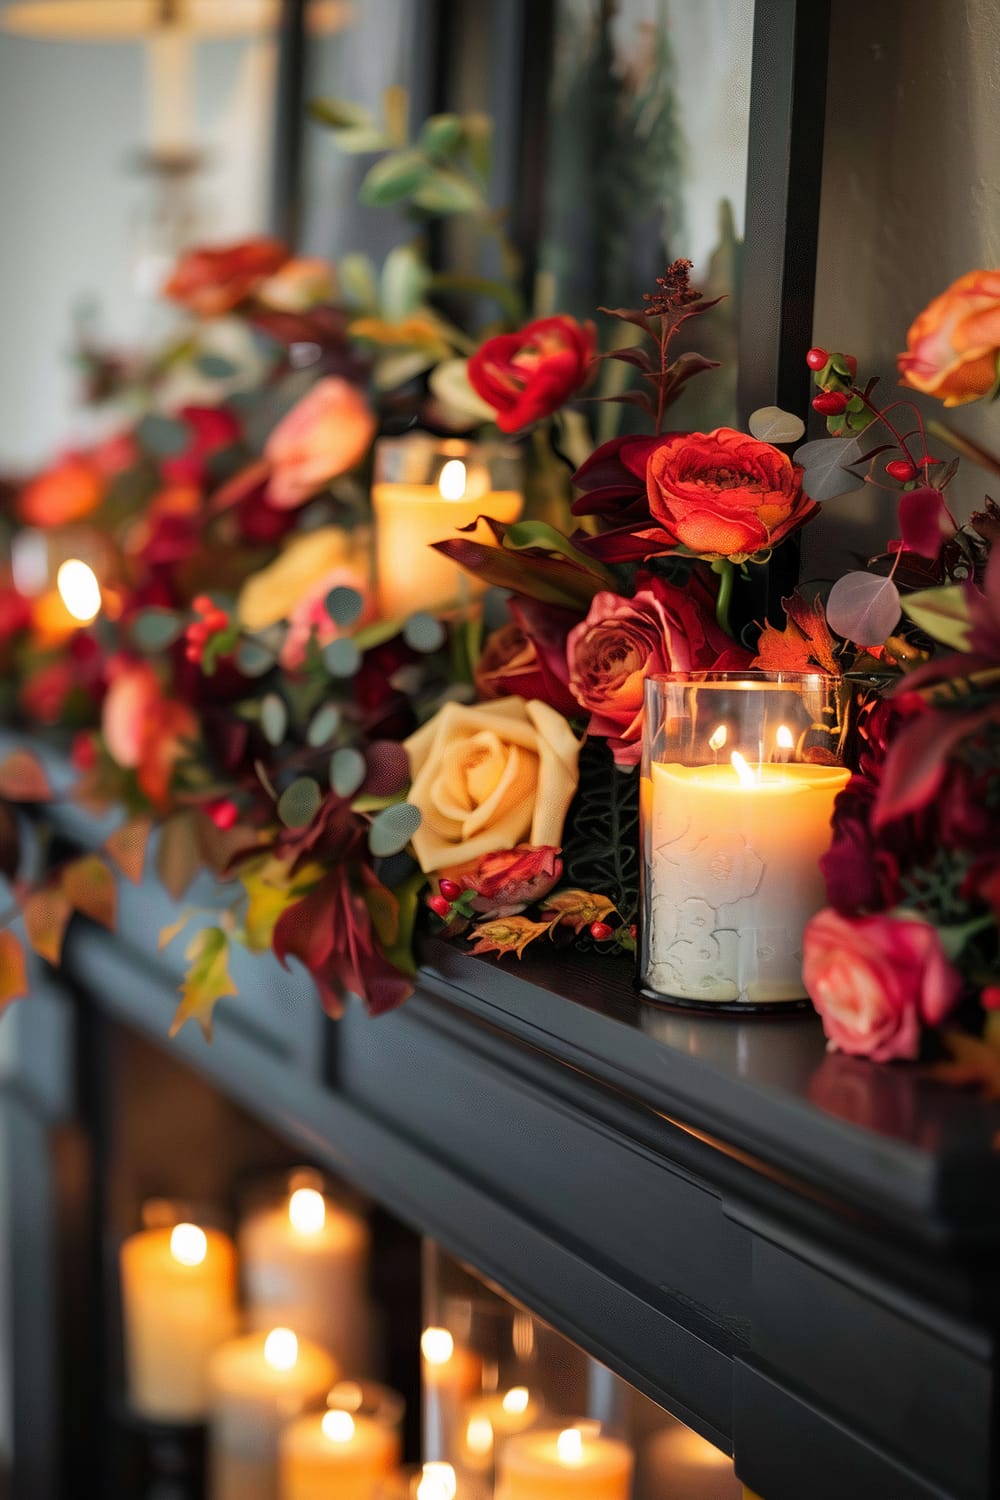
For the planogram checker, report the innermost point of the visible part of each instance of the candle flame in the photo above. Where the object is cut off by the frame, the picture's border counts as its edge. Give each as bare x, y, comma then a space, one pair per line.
307, 1211
719, 738
338, 1426
784, 739
743, 771
516, 1400
451, 481
437, 1346
437, 1482
188, 1244
281, 1349
79, 590
347, 1395
569, 1446
479, 1436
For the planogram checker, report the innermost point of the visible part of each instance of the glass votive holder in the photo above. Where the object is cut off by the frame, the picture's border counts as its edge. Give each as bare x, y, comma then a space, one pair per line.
425, 489
739, 775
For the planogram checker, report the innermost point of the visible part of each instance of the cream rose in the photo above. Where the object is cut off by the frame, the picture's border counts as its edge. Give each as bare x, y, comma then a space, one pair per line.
309, 561
488, 777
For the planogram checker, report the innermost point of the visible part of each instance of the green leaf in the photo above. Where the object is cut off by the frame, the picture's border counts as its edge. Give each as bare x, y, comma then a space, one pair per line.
405, 279
215, 367
342, 114
442, 135
273, 718
153, 630
445, 191
377, 633
161, 435
358, 283
524, 534
344, 605
394, 178
422, 632
393, 829
348, 769
324, 726
943, 613
341, 658
769, 424
300, 802
253, 658
206, 981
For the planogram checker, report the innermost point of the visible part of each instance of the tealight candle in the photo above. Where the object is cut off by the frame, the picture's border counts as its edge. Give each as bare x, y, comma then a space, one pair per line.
336, 1453
305, 1266
179, 1304
574, 1464
257, 1384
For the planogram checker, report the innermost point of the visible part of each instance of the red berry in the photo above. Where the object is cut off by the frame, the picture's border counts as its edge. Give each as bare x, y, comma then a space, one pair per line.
450, 889
223, 813
197, 633
201, 604
217, 619
633, 932
192, 653
439, 905
817, 358
830, 403
901, 469
600, 932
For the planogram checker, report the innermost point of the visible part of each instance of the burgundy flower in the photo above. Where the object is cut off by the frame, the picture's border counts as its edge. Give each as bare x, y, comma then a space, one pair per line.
527, 657
212, 428
530, 374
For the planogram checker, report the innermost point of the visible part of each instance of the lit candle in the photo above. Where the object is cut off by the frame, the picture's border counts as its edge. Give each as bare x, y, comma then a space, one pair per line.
734, 875
451, 1375
575, 1464
79, 590
678, 1464
257, 1384
178, 1305
411, 515
336, 1453
490, 1421
305, 1266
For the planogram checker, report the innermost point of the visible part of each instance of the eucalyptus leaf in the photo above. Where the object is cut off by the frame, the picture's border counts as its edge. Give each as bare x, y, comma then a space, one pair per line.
323, 726
155, 629
216, 367
422, 632
362, 141
442, 135
162, 435
341, 658
769, 424
253, 658
348, 769
344, 605
405, 279
300, 802
445, 191
864, 607
393, 829
395, 370
394, 178
358, 282
943, 613
825, 462
273, 718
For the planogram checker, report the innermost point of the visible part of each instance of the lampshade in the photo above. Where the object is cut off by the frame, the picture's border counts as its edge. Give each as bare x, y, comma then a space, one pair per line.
124, 20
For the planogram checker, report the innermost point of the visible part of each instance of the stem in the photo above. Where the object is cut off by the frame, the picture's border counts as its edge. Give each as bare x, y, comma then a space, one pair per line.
965, 447
726, 570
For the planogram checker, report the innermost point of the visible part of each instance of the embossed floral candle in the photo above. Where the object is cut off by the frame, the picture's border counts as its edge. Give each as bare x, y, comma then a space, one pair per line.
740, 772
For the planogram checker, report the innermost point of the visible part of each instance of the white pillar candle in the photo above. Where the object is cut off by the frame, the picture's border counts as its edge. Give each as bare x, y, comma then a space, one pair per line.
336, 1454
178, 1304
734, 876
257, 1384
305, 1266
574, 1464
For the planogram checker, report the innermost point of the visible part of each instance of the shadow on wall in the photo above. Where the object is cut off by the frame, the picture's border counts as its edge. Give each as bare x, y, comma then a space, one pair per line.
911, 200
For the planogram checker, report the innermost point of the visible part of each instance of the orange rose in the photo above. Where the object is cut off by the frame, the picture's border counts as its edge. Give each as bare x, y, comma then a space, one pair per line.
327, 433
953, 347
211, 281
143, 730
530, 374
723, 494
68, 491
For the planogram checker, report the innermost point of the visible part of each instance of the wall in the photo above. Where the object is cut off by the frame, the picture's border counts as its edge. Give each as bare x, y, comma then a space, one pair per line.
911, 200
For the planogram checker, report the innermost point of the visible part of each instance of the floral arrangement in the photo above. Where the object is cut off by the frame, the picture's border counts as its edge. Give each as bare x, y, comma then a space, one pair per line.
341, 771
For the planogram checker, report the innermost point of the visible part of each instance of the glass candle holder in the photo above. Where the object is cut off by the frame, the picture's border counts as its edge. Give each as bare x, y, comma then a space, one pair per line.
739, 776
425, 489
348, 1449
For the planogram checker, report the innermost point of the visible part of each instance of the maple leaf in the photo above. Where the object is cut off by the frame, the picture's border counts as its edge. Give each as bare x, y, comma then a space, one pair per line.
89, 887
577, 909
804, 644
22, 778
127, 847
507, 935
13, 973
206, 981
46, 914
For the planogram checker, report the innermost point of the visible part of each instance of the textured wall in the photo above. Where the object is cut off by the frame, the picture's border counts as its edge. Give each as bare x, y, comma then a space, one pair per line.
911, 200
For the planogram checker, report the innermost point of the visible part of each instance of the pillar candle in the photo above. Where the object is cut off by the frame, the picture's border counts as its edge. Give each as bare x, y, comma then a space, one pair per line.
734, 876
569, 1465
678, 1464
178, 1304
488, 1423
257, 1384
336, 1454
451, 1375
305, 1266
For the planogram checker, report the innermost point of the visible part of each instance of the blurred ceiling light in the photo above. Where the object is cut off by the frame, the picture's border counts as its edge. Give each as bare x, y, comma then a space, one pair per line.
122, 20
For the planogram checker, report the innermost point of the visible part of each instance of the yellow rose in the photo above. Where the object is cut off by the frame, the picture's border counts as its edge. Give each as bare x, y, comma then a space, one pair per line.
488, 777
274, 593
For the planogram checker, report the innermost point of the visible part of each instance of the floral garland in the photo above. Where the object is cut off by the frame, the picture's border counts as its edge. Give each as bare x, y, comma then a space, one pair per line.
339, 770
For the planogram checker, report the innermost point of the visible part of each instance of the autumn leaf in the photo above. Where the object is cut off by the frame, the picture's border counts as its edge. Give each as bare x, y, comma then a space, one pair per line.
206, 981
174, 929
127, 847
22, 778
13, 973
577, 909
804, 644
178, 858
506, 935
89, 886
974, 1064
270, 892
46, 914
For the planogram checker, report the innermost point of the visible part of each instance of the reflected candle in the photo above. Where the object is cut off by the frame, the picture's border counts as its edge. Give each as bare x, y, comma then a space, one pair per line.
575, 1464
336, 1453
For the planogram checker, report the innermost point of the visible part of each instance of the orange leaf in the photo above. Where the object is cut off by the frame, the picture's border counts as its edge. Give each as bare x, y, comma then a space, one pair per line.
577, 909
178, 858
89, 886
22, 778
46, 914
127, 847
13, 974
803, 645
507, 935
206, 981
974, 1064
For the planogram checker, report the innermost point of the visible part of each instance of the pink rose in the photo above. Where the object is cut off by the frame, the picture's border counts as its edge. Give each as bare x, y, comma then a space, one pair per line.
876, 981
310, 616
325, 434
623, 641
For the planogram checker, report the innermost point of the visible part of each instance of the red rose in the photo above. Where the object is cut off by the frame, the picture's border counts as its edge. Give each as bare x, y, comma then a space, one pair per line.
530, 374
211, 281
623, 641
508, 881
723, 494
876, 981
72, 488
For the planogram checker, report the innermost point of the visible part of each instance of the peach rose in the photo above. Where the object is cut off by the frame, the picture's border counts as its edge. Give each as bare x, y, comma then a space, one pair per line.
288, 584
298, 286
325, 434
876, 981
953, 346
69, 490
489, 777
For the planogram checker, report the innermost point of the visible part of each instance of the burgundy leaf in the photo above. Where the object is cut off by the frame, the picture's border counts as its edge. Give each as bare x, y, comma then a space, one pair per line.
917, 758
923, 521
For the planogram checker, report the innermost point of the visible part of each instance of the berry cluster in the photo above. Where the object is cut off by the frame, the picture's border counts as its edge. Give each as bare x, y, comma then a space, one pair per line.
442, 904
212, 621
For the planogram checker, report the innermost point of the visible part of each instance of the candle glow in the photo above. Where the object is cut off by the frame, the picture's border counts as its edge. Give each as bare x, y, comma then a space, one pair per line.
437, 1346
479, 1436
452, 480
307, 1211
437, 1482
281, 1349
188, 1244
570, 1447
516, 1400
338, 1426
79, 590
784, 739
718, 739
